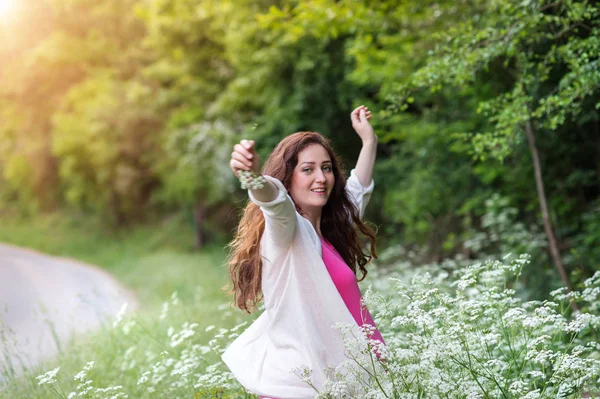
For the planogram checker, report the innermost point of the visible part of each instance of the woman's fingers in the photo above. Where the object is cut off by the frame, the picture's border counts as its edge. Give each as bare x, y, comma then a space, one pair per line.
236, 166
354, 115
248, 145
239, 165
241, 149
360, 114
242, 159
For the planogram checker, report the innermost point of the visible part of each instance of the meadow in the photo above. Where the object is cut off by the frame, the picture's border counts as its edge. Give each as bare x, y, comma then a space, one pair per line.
174, 284
457, 329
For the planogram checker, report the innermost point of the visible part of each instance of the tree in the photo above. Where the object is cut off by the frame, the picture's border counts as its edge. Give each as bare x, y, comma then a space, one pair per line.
549, 49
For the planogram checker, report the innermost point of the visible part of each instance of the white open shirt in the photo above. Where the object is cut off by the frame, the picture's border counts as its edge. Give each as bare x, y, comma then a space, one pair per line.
301, 302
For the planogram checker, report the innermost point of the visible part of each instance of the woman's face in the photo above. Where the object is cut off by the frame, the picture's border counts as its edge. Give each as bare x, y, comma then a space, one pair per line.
313, 179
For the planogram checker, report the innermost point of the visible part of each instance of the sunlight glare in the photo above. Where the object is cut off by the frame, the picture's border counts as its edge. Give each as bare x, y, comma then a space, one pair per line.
6, 6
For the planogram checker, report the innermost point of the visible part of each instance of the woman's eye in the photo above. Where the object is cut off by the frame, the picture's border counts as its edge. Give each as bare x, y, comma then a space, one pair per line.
306, 170
328, 168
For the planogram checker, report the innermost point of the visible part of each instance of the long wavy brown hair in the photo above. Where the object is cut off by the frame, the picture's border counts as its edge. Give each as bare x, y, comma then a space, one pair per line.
245, 262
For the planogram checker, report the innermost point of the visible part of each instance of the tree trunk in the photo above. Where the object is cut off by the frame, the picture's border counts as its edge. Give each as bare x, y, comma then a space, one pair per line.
199, 219
554, 252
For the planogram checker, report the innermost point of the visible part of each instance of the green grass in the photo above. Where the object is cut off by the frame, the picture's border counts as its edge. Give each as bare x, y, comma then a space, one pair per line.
154, 260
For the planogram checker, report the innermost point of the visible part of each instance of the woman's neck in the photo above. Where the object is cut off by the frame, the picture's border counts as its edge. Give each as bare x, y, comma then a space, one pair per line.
314, 217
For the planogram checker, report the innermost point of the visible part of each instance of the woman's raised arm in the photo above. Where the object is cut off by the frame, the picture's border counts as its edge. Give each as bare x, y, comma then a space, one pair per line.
366, 159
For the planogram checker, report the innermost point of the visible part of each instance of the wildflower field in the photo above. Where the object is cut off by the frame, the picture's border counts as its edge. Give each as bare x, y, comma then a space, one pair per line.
459, 329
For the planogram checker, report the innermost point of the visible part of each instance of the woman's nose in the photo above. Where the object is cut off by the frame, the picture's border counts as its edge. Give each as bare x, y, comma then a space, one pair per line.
321, 176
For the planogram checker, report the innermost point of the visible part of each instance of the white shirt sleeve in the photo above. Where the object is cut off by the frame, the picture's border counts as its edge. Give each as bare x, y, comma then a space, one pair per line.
280, 215
359, 194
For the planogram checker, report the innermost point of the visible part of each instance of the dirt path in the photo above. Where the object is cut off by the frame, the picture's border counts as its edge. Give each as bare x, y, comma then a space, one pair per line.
45, 299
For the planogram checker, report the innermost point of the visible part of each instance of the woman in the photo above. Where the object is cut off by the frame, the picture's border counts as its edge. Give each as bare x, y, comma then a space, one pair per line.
298, 242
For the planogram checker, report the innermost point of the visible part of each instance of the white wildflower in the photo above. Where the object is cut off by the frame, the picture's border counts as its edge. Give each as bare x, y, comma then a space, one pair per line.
537, 374
164, 311
518, 388
532, 322
144, 378
581, 321
542, 339
186, 332
120, 314
513, 316
463, 284
127, 327
532, 395
49, 378
491, 338
541, 356
558, 292
80, 376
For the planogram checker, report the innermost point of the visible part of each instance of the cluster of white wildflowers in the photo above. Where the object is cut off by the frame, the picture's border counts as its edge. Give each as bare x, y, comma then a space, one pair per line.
48, 378
85, 387
465, 334
177, 361
454, 330
250, 180
190, 364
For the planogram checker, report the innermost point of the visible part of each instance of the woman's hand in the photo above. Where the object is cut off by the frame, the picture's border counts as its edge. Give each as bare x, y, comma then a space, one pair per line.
360, 122
244, 157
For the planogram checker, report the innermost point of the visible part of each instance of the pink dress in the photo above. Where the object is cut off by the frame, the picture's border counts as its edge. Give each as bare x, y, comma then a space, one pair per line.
347, 285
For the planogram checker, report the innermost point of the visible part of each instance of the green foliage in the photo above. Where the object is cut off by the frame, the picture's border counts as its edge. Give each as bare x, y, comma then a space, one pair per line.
192, 69
84, 39
105, 145
189, 63
539, 60
549, 50
130, 108
424, 183
198, 166
585, 252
